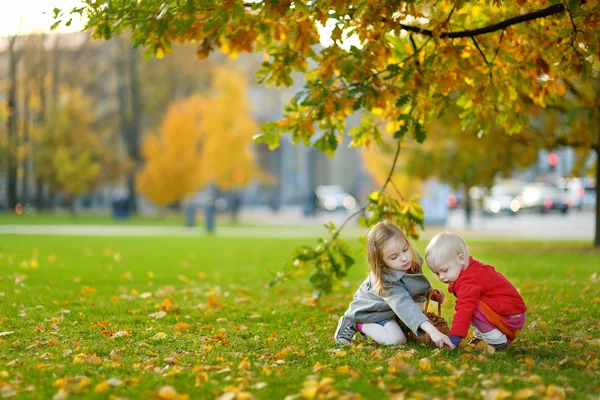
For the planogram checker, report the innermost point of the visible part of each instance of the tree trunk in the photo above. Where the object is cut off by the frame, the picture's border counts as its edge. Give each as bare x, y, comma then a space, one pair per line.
72, 206
41, 119
135, 125
597, 229
51, 199
26, 160
130, 106
468, 207
39, 194
13, 60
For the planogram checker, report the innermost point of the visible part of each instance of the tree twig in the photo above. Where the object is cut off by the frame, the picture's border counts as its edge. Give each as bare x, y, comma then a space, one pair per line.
546, 12
498, 48
389, 178
573, 38
480, 51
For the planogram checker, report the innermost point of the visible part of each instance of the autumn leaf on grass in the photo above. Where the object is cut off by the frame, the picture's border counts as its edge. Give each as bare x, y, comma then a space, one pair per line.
169, 393
402, 354
318, 366
232, 392
376, 354
89, 291
212, 303
159, 336
555, 392
496, 394
87, 359
396, 365
527, 393
167, 305
182, 326
340, 353
319, 389
158, 315
342, 370
101, 387
244, 365
119, 334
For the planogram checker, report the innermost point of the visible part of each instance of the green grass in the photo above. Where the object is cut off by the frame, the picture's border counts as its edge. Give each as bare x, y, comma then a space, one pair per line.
86, 218
79, 307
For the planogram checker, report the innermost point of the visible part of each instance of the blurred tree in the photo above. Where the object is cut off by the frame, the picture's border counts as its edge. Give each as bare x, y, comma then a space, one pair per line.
403, 60
130, 110
202, 140
454, 155
380, 53
3, 134
463, 158
168, 79
71, 156
573, 120
14, 57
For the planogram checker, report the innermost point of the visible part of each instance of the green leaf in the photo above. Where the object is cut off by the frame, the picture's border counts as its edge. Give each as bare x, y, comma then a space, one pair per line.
419, 132
399, 134
572, 5
402, 100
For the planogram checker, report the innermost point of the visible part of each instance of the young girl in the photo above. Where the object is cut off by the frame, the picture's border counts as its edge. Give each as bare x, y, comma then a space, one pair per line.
395, 287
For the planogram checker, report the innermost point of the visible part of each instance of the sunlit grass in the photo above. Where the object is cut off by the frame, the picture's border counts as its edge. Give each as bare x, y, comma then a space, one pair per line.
95, 317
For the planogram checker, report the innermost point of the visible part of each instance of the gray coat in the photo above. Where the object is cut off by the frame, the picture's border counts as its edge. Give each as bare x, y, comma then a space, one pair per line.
403, 292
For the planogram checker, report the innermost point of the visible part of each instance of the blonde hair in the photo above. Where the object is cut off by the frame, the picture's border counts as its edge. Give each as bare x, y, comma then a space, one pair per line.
377, 237
445, 245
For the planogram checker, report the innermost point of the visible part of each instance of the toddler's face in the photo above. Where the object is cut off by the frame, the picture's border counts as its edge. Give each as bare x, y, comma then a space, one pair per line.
448, 269
397, 255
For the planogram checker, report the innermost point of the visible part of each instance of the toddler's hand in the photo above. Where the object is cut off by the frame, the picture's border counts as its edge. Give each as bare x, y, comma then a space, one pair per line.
438, 296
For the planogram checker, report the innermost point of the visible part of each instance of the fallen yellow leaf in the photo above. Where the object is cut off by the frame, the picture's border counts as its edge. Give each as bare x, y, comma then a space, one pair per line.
525, 393
101, 387
169, 393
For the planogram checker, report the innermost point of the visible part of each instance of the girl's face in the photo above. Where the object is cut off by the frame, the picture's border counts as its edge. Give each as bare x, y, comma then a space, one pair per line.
397, 254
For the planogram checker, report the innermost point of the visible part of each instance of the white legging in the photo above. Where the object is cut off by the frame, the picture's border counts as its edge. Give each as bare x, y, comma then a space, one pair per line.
390, 334
495, 336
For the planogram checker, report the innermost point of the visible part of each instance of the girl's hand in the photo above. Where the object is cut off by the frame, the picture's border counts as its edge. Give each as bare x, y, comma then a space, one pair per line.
436, 336
438, 296
441, 340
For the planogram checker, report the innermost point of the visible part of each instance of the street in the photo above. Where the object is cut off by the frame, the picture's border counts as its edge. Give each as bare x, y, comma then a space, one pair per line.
261, 222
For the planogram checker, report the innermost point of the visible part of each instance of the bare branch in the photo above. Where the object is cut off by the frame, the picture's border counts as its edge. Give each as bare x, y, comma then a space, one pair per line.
417, 63
480, 51
388, 180
498, 48
546, 12
576, 92
573, 38
396, 189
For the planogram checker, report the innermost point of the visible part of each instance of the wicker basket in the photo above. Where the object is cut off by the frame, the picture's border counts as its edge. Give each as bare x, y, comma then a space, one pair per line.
435, 319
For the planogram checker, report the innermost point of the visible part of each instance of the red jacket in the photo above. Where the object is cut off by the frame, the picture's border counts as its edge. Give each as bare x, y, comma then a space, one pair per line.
481, 282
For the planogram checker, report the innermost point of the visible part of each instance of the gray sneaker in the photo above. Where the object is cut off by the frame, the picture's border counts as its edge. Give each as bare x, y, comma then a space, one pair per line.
345, 330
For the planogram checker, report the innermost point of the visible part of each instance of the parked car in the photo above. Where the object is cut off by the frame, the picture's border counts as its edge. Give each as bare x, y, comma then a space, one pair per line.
579, 191
589, 198
543, 198
502, 200
573, 190
334, 197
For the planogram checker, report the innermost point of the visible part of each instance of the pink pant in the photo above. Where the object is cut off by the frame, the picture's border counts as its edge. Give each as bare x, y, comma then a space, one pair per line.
489, 332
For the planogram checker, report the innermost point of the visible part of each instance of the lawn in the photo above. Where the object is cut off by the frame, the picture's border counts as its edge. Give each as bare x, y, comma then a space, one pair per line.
141, 317
87, 218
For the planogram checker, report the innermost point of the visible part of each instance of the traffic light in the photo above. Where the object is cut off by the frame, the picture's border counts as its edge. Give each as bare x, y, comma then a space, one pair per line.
552, 161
